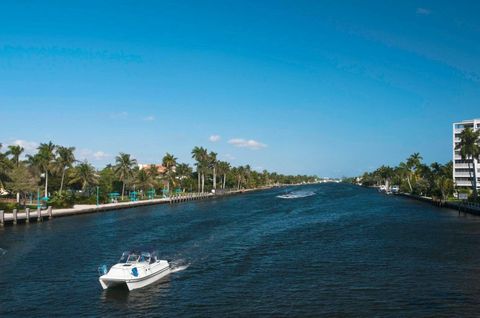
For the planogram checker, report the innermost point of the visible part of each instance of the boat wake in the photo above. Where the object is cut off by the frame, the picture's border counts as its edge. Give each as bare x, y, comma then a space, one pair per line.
296, 195
2, 252
178, 266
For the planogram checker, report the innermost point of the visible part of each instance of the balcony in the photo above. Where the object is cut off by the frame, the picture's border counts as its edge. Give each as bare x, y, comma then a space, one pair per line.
461, 166
463, 183
462, 174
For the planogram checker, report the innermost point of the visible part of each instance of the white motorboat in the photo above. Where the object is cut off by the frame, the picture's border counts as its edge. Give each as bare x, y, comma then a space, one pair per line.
395, 189
136, 269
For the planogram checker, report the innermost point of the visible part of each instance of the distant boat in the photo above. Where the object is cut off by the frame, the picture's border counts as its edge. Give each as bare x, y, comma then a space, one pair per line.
136, 269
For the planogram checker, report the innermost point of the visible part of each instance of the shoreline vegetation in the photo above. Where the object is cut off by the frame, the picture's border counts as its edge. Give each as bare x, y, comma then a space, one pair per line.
412, 177
428, 183
54, 177
435, 181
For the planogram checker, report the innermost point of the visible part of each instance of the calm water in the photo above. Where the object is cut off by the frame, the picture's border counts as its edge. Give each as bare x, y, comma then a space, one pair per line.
345, 251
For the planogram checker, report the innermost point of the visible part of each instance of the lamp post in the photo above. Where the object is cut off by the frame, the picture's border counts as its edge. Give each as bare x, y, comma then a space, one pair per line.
97, 194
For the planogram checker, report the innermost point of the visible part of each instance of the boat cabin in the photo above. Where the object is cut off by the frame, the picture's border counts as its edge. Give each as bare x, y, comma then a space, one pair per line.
134, 257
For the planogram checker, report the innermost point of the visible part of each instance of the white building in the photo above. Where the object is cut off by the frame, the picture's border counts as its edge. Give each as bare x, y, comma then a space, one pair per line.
461, 168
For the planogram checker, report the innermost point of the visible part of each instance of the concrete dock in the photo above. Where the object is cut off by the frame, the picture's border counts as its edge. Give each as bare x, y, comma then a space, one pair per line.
466, 207
39, 215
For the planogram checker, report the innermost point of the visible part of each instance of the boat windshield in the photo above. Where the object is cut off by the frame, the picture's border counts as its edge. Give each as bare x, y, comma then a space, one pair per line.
145, 257
133, 258
124, 257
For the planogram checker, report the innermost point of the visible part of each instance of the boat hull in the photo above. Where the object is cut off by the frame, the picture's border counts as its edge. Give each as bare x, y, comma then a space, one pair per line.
135, 284
107, 281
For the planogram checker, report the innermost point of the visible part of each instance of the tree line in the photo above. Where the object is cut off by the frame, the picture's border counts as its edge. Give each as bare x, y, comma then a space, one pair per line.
55, 174
412, 176
435, 180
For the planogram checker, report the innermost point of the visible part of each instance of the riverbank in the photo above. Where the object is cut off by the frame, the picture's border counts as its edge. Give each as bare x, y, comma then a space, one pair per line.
27, 216
466, 207
39, 215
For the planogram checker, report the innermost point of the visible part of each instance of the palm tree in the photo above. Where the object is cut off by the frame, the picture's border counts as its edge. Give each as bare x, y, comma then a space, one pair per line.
436, 168
85, 174
144, 180
265, 177
15, 151
5, 166
447, 169
445, 186
386, 174
212, 163
169, 162
200, 154
183, 173
223, 168
196, 155
124, 168
470, 151
403, 172
409, 169
43, 159
239, 173
247, 172
414, 161
65, 159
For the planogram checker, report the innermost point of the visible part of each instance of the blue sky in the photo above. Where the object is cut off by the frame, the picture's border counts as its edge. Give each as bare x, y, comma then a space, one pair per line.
331, 88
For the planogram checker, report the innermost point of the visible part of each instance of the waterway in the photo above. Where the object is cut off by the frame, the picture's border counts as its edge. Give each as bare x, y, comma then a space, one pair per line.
342, 251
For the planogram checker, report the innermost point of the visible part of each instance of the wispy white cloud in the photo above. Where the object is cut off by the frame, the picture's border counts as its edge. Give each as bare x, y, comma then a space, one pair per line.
423, 11
30, 147
88, 154
149, 118
99, 155
244, 143
214, 138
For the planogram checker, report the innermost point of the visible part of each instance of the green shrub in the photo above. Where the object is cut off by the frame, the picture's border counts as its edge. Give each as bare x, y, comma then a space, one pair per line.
8, 206
86, 200
62, 200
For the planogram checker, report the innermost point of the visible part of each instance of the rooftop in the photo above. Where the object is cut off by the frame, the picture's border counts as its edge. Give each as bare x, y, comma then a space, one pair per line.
160, 169
467, 121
